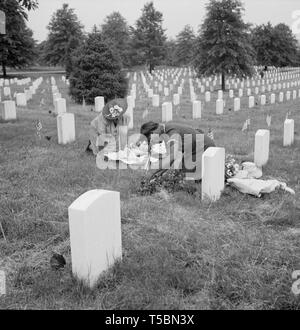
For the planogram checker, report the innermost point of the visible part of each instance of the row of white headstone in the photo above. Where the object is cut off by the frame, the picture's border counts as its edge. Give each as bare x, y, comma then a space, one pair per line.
176, 97
9, 111
65, 121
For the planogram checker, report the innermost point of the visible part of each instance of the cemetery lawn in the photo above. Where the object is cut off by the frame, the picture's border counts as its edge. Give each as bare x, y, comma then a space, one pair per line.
178, 252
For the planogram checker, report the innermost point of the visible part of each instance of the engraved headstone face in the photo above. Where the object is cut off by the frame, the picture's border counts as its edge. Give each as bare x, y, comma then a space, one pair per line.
2, 23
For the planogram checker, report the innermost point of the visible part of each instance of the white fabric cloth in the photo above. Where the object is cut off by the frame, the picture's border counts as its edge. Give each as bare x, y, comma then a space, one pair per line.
246, 181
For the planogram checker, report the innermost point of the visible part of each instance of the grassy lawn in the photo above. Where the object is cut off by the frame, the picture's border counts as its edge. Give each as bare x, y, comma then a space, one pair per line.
178, 252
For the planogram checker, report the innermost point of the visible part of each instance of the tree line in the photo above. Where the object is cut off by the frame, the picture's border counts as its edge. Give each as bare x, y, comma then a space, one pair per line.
224, 43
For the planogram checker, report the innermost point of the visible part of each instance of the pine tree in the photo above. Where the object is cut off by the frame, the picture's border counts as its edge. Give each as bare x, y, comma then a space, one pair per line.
65, 35
115, 32
149, 37
274, 45
96, 72
223, 46
17, 45
185, 46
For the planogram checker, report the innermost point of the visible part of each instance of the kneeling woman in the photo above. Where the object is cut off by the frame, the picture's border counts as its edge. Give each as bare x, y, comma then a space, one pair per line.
186, 144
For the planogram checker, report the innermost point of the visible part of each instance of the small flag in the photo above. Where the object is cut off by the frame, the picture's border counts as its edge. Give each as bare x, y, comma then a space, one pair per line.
210, 134
245, 126
248, 122
83, 102
269, 120
287, 115
38, 127
42, 102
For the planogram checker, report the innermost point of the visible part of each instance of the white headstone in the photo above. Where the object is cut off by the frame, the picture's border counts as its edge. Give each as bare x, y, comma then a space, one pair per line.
213, 173
166, 91
167, 112
237, 104
130, 101
288, 135
95, 234
251, 101
66, 128
9, 110
99, 103
196, 109
60, 106
220, 95
280, 97
231, 93
176, 99
261, 149
207, 96
155, 100
272, 98
129, 112
21, 100
219, 106
6, 91
288, 95
263, 99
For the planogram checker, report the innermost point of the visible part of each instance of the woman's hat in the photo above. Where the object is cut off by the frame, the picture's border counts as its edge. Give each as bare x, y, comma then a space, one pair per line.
115, 109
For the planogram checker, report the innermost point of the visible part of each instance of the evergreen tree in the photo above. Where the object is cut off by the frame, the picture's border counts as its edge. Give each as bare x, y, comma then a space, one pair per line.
65, 35
149, 37
96, 72
115, 32
17, 45
185, 46
274, 46
170, 50
223, 46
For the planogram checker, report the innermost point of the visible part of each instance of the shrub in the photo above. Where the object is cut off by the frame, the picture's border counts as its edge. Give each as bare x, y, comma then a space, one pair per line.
96, 71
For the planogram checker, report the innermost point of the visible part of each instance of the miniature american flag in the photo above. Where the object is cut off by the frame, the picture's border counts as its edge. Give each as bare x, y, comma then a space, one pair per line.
245, 126
210, 134
38, 127
269, 120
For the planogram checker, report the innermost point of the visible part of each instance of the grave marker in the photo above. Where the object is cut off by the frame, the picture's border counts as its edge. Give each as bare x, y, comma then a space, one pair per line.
237, 104
95, 234
21, 100
288, 135
66, 128
196, 109
99, 103
60, 106
167, 112
9, 110
213, 173
261, 149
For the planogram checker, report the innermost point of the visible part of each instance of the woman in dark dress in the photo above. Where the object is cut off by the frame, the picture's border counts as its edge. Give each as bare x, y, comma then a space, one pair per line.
187, 145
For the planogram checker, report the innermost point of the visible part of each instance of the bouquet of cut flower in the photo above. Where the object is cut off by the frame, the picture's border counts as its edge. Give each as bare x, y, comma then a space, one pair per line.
231, 167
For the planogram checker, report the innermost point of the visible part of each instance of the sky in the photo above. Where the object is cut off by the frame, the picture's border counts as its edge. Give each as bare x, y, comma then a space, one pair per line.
176, 13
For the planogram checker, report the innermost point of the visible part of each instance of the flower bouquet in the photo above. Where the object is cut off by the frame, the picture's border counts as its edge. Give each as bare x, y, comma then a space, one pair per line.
231, 167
